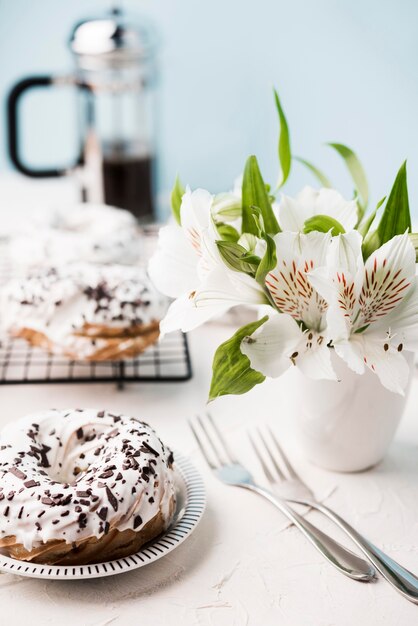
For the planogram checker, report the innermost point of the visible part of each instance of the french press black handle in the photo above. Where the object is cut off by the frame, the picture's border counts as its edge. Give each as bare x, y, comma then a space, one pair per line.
13, 103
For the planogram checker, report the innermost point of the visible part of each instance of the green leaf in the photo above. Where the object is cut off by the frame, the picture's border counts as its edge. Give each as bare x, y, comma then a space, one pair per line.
285, 155
176, 196
254, 193
357, 172
234, 255
231, 370
364, 227
253, 259
414, 239
268, 262
324, 180
323, 224
227, 232
396, 218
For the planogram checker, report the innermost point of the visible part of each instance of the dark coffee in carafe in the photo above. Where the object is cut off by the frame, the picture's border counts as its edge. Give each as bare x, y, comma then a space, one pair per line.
127, 182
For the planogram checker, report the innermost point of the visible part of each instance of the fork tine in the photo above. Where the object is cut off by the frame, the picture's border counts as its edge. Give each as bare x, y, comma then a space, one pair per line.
201, 446
290, 469
265, 467
221, 438
215, 450
270, 454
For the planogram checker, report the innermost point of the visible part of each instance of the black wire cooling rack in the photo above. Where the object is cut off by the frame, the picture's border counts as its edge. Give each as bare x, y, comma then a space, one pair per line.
20, 363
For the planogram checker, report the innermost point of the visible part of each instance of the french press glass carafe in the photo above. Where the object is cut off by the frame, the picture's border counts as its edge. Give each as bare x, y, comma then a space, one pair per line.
115, 77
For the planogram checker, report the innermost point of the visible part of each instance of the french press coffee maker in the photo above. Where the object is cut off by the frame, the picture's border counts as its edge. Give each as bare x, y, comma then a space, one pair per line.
115, 78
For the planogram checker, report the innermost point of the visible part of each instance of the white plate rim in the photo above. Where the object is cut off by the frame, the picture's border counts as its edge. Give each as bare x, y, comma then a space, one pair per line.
164, 544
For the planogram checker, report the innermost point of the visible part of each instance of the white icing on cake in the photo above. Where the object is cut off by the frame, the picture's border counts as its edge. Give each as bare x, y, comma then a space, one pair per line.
93, 233
60, 302
78, 473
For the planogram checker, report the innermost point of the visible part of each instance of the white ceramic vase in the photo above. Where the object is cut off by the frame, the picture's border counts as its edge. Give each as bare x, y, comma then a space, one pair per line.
345, 426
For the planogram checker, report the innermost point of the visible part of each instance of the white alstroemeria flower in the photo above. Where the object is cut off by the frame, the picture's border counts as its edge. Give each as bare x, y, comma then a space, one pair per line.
221, 290
297, 254
281, 341
188, 266
175, 267
293, 212
373, 306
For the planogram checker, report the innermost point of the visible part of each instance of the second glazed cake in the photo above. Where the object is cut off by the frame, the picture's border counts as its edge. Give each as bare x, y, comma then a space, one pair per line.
85, 312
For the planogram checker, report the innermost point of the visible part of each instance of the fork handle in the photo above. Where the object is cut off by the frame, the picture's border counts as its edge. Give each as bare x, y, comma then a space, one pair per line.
398, 576
340, 557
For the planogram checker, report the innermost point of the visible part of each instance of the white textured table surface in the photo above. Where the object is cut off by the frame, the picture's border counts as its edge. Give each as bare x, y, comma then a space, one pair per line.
242, 565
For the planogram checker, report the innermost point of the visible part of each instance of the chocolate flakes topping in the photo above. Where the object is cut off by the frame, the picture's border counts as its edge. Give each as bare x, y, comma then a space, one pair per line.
149, 448
17, 472
82, 520
102, 513
101, 491
31, 483
82, 494
112, 499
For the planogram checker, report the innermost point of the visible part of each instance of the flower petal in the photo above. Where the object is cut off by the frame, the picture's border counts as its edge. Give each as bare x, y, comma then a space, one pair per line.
330, 202
222, 285
340, 282
288, 284
271, 347
172, 268
402, 323
280, 343
388, 275
380, 356
195, 214
313, 357
293, 212
220, 291
351, 351
183, 314
345, 252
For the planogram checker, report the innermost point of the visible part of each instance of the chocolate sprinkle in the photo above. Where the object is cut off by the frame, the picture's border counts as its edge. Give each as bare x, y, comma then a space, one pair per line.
149, 448
17, 472
112, 500
137, 521
82, 520
31, 483
102, 513
107, 474
82, 494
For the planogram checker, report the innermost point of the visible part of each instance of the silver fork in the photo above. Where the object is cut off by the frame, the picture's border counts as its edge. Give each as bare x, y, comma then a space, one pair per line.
290, 487
227, 469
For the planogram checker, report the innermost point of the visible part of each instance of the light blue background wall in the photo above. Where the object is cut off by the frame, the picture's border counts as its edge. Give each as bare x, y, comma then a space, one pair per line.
346, 71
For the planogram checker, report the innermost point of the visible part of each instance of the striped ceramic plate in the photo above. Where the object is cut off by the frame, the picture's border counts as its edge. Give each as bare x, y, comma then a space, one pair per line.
191, 502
